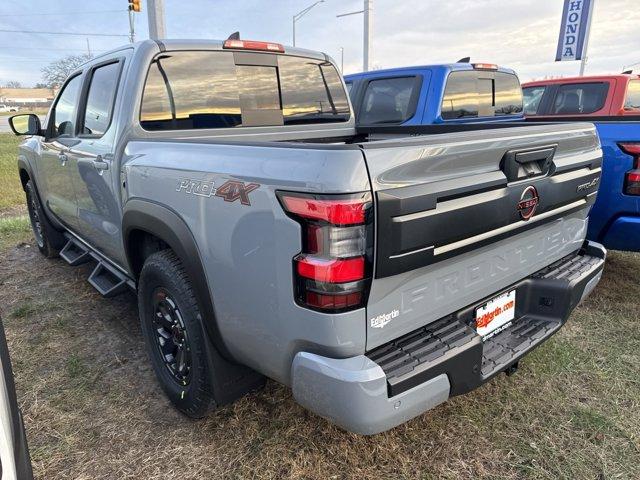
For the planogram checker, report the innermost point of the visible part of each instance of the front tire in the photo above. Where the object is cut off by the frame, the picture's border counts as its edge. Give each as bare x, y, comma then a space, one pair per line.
48, 239
170, 320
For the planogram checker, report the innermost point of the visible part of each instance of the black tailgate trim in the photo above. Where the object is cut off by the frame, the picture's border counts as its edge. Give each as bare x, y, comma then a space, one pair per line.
410, 232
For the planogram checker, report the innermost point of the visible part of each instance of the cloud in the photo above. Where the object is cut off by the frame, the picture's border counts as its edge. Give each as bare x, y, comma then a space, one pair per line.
521, 34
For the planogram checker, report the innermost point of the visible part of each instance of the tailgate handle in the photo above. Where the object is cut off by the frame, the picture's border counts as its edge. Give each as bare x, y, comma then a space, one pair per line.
528, 163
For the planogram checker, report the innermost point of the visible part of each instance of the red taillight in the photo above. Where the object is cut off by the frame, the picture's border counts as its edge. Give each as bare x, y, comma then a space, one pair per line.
632, 177
253, 45
332, 273
485, 66
331, 270
337, 212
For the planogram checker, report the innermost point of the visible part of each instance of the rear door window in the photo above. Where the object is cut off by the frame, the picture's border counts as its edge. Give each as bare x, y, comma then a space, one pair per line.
210, 89
532, 97
476, 93
579, 98
632, 102
100, 99
389, 100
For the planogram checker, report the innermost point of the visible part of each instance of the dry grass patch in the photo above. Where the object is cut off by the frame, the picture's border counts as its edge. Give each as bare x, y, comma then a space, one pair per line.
93, 409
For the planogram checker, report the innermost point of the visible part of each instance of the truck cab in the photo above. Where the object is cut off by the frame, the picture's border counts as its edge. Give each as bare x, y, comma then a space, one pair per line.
436, 94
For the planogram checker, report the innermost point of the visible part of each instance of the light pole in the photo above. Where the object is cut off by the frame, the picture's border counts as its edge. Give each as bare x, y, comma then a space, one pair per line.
367, 32
342, 60
301, 14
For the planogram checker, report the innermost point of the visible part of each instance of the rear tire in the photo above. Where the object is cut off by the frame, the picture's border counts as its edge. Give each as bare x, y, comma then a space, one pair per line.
170, 320
48, 239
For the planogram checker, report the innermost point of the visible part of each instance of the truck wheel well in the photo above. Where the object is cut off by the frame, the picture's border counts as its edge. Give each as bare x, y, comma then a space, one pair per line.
24, 178
141, 245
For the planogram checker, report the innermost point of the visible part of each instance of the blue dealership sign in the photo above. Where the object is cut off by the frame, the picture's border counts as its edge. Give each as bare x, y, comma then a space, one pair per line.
574, 29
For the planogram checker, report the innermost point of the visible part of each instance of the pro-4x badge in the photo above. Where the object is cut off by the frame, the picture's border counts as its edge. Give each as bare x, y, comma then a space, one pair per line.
230, 191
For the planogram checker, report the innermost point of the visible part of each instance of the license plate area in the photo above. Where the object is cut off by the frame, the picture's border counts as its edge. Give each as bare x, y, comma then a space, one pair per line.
495, 315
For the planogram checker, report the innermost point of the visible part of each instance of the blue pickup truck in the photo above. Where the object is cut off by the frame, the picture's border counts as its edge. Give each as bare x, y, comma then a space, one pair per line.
612, 103
436, 94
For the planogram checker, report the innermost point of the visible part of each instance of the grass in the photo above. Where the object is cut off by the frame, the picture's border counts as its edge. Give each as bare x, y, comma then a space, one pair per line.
93, 409
11, 193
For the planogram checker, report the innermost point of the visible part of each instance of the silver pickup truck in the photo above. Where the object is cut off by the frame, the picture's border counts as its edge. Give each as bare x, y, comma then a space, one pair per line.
375, 271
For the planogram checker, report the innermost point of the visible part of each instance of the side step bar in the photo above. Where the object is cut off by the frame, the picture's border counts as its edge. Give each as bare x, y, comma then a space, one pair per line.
105, 278
74, 253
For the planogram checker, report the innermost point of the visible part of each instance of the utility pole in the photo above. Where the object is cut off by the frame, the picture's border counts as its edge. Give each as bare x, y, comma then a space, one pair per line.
368, 33
367, 60
157, 28
88, 48
134, 7
342, 60
301, 14
583, 62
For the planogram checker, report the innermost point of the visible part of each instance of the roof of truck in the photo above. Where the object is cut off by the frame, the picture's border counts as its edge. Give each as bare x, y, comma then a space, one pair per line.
437, 66
591, 78
199, 44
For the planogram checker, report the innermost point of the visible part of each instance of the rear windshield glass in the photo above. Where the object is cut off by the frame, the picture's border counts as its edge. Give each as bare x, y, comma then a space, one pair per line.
577, 98
632, 101
532, 97
193, 90
477, 93
388, 100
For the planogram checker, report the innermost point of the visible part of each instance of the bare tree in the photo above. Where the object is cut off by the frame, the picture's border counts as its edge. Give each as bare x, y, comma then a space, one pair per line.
54, 74
13, 84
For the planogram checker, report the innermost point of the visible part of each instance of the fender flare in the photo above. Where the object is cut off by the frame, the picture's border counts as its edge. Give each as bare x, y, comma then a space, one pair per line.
23, 164
165, 224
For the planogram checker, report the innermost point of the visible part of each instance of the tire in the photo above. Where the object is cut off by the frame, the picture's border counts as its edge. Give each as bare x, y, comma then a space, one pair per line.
165, 297
48, 239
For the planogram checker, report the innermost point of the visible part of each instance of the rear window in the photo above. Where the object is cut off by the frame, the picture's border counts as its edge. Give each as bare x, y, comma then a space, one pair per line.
194, 90
579, 98
481, 94
531, 98
389, 100
632, 101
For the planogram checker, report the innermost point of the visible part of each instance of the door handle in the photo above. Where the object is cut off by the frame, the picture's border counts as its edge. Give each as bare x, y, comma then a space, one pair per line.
63, 159
100, 165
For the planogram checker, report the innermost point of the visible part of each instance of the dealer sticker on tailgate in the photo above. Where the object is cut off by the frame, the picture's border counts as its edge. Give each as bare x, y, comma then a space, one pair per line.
496, 315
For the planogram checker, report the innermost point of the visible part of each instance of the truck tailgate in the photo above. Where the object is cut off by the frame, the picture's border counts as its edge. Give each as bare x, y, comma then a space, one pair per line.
458, 221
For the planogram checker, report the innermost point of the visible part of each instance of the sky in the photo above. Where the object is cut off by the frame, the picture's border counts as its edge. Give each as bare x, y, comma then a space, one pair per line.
520, 34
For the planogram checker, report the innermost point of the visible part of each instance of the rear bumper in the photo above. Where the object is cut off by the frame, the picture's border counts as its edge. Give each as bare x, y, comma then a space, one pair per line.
623, 234
397, 381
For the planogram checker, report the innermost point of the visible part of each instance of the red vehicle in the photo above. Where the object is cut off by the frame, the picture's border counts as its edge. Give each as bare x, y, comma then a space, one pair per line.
597, 96
612, 104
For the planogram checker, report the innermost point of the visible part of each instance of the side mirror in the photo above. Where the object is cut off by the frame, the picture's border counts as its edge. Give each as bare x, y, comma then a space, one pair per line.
25, 124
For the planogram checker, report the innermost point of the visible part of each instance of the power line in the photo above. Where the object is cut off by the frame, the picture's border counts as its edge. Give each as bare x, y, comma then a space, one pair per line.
58, 13
65, 33
49, 49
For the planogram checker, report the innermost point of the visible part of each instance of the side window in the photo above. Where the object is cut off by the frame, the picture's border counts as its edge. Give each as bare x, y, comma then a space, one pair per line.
387, 101
577, 98
632, 101
63, 114
102, 93
532, 99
